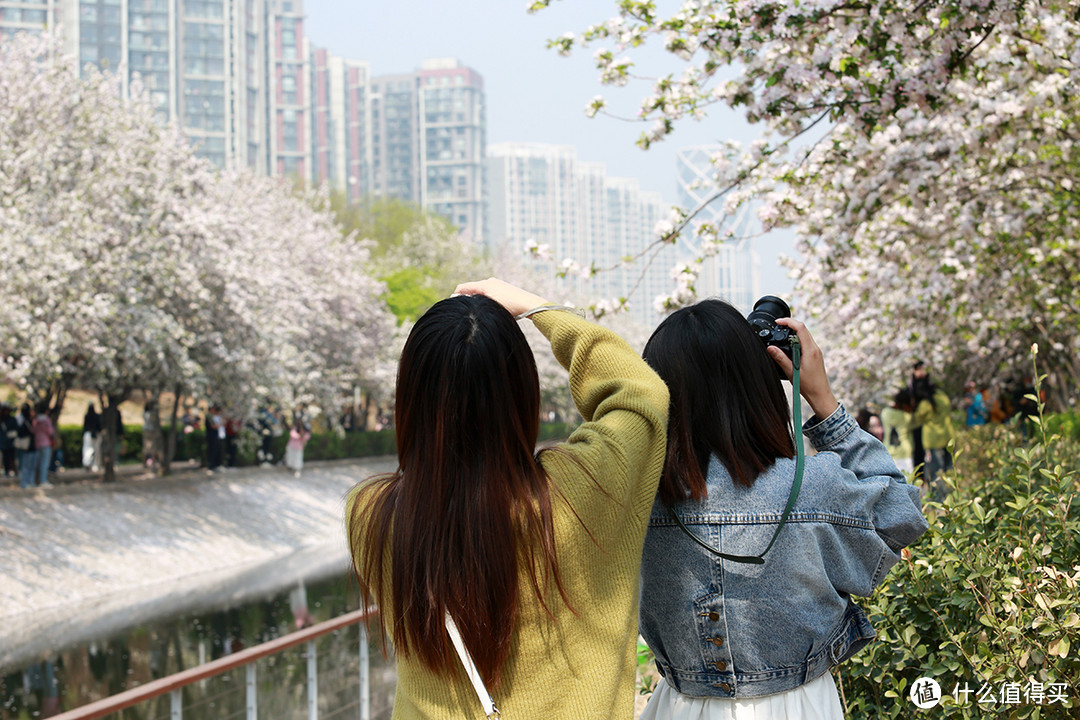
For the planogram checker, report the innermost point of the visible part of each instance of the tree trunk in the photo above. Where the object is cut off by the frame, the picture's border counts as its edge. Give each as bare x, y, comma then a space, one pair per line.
110, 416
371, 414
58, 403
170, 439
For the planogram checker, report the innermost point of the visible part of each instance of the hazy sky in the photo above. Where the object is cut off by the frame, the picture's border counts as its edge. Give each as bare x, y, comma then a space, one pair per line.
533, 94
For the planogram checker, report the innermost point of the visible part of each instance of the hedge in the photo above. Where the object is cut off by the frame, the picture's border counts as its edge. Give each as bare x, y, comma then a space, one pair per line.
989, 599
322, 446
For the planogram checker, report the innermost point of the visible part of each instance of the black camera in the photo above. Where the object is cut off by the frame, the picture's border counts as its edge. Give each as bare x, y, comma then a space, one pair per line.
763, 319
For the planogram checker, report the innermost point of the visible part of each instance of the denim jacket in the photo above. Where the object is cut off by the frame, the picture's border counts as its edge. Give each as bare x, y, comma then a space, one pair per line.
724, 629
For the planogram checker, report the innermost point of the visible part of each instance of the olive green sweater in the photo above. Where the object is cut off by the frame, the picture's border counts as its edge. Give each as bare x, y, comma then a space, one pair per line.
936, 421
579, 664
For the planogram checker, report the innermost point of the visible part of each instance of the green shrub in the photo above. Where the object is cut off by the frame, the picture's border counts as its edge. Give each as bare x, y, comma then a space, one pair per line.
1067, 425
988, 599
192, 446
71, 442
331, 445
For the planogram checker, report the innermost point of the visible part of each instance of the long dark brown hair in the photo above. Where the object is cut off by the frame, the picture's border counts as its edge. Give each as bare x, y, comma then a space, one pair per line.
726, 399
469, 503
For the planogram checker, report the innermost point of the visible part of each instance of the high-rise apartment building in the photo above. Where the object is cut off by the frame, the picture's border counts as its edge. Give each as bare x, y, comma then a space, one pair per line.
248, 90
452, 144
290, 97
395, 137
27, 15
428, 142
201, 63
544, 194
733, 273
238, 77
341, 121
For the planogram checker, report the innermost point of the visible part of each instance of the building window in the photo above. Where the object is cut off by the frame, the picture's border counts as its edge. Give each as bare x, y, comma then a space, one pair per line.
290, 130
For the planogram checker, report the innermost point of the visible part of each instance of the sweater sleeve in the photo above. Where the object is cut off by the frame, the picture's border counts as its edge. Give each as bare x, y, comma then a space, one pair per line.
621, 445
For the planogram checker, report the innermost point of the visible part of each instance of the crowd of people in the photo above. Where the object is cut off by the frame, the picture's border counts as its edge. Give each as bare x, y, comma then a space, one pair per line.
918, 426
223, 433
32, 450
28, 443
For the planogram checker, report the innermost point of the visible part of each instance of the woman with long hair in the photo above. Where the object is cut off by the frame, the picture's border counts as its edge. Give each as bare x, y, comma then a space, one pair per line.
746, 619
533, 556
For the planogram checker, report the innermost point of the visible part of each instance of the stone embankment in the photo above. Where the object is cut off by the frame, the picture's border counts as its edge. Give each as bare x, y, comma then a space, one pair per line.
82, 560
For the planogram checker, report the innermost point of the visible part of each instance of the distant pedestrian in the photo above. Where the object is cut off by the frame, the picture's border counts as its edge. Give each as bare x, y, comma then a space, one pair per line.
870, 422
268, 427
56, 462
91, 438
189, 423
896, 427
215, 437
232, 440
118, 430
1027, 408
974, 405
921, 389
44, 436
24, 443
294, 450
933, 414
992, 396
9, 431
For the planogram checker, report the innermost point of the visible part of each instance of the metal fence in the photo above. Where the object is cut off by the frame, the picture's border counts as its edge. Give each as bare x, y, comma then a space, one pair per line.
318, 673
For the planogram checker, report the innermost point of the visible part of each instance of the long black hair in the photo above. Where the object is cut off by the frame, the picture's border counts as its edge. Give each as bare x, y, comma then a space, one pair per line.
726, 398
469, 504
923, 388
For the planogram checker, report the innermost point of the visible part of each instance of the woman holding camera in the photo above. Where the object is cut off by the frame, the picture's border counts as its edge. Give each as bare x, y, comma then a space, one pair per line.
533, 557
755, 636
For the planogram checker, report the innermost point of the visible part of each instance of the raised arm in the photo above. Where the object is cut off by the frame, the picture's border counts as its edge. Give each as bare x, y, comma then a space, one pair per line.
624, 403
866, 475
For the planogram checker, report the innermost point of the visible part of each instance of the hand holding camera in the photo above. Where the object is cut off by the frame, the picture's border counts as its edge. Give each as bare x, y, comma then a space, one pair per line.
771, 319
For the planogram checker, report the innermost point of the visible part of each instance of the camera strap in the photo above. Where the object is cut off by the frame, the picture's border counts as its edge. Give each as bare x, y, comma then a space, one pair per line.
800, 457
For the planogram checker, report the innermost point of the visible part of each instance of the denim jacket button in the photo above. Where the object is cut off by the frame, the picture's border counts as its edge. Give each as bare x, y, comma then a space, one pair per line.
717, 641
714, 616
720, 665
725, 687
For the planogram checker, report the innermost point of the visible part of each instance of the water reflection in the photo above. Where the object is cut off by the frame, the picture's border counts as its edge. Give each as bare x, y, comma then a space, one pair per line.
76, 676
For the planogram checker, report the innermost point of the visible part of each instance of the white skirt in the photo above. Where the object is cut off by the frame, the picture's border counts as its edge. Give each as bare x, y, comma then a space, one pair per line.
817, 700
294, 458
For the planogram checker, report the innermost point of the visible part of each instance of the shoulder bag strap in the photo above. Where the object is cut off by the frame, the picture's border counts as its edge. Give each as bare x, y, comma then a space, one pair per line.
490, 711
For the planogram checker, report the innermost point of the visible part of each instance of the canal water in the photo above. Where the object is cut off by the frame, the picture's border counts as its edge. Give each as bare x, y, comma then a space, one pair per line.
70, 677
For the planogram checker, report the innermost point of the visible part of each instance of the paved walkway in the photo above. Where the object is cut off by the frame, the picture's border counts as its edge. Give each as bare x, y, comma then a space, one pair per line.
84, 559
69, 476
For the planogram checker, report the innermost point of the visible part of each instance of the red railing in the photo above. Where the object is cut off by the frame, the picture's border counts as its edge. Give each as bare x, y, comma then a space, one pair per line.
173, 683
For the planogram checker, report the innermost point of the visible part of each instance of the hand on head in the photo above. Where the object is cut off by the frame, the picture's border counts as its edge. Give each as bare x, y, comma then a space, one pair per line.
514, 299
813, 379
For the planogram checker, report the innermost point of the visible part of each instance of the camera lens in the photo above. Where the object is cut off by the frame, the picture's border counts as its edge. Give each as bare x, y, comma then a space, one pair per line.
763, 319
772, 307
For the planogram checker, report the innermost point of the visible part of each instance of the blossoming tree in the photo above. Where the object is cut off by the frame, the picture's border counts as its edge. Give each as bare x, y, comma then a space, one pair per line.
130, 264
923, 152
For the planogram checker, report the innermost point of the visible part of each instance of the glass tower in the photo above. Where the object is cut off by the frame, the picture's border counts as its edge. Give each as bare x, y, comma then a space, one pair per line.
732, 274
